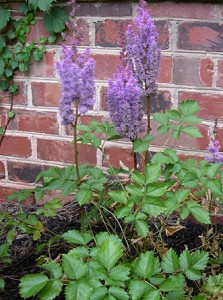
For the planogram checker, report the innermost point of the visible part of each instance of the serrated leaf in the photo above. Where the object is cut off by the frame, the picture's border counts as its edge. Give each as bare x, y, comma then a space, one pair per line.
173, 283
78, 290
184, 212
4, 17
2, 284
119, 272
174, 115
141, 228
157, 189
170, 261
119, 196
138, 177
140, 146
2, 65
77, 237
147, 265
55, 20
199, 213
2, 45
192, 131
54, 269
161, 118
177, 131
74, 268
51, 290
153, 206
152, 172
215, 186
23, 8
32, 284
153, 295
188, 107
109, 253
83, 196
137, 289
99, 293
161, 158
118, 293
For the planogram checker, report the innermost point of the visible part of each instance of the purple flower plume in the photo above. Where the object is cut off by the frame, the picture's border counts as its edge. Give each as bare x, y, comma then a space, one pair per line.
215, 156
124, 105
142, 51
77, 77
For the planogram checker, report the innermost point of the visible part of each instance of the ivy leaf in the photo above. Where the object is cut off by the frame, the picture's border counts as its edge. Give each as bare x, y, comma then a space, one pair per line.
2, 42
32, 284
4, 17
170, 261
2, 65
78, 290
55, 20
23, 8
109, 253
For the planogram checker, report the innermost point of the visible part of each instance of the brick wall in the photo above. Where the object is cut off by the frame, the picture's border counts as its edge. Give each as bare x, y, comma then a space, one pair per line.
191, 38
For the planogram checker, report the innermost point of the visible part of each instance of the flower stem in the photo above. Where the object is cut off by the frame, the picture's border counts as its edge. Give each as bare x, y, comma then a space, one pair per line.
75, 143
148, 127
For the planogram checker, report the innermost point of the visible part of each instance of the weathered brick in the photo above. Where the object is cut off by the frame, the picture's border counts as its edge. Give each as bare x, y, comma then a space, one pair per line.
36, 31
34, 121
106, 65
63, 151
24, 172
182, 10
2, 170
18, 99
113, 9
192, 71
220, 73
219, 136
16, 146
211, 104
108, 33
184, 142
200, 36
5, 192
46, 93
160, 102
103, 93
113, 155
44, 68
165, 70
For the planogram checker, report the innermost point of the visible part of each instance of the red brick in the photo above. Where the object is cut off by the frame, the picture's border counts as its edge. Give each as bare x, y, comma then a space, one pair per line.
5, 192
37, 31
16, 146
44, 68
63, 151
24, 172
219, 136
182, 10
117, 9
34, 121
206, 71
106, 65
184, 142
200, 36
211, 104
46, 93
192, 71
113, 155
83, 120
108, 33
103, 93
165, 70
2, 170
20, 98
220, 73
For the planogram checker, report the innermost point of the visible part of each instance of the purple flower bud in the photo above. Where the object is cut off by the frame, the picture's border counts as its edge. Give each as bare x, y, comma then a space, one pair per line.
215, 156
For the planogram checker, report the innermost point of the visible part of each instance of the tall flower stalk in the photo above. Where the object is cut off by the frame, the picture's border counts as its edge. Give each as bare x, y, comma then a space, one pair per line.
77, 76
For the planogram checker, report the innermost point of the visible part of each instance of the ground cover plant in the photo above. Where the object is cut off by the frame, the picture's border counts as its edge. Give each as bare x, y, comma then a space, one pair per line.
126, 235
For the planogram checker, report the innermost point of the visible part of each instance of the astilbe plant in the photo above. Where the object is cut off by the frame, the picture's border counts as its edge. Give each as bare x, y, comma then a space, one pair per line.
213, 149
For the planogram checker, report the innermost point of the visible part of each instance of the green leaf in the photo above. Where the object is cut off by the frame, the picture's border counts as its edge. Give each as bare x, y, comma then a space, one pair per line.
77, 237
54, 269
161, 118
51, 290
119, 196
215, 186
68, 187
153, 206
174, 115
99, 293
8, 72
213, 170
4, 17
147, 265
140, 146
109, 253
23, 8
141, 228
74, 268
2, 66
119, 272
55, 20
184, 212
199, 213
215, 284
38, 54
2, 284
4, 250
83, 196
192, 131
170, 261
2, 44
137, 288
118, 293
157, 189
43, 5
153, 295
11, 114
152, 172
188, 107
32, 284
173, 283
177, 131
79, 290
138, 177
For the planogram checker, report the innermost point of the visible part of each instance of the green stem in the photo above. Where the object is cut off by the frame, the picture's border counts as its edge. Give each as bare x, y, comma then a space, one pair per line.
148, 127
75, 144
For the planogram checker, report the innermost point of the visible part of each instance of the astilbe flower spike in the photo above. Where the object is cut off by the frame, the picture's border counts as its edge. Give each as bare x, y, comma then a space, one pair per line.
142, 51
124, 105
215, 156
77, 77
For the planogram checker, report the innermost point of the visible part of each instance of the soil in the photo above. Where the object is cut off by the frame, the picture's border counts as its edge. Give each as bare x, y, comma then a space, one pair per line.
23, 250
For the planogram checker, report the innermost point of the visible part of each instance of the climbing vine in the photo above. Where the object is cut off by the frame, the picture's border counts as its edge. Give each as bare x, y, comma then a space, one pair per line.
15, 52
